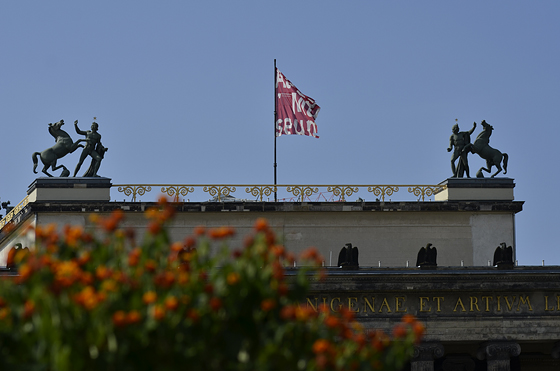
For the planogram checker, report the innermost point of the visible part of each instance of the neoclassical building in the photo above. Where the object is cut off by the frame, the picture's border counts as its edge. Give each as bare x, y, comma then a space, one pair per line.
478, 316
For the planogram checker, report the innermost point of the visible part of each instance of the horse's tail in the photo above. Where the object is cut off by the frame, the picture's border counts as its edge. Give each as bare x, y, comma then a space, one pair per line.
505, 162
35, 161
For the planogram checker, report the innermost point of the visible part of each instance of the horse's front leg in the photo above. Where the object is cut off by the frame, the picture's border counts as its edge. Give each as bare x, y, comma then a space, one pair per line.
76, 145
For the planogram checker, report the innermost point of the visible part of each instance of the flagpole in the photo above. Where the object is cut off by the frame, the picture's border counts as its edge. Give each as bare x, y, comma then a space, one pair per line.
275, 116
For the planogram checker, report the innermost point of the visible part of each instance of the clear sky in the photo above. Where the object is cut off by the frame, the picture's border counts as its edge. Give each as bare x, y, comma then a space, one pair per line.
183, 92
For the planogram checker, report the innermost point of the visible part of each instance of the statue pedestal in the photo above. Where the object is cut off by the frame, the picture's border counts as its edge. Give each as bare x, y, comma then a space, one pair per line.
57, 189
476, 189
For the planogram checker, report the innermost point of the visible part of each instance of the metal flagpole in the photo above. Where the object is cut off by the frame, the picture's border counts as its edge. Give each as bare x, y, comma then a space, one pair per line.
275, 115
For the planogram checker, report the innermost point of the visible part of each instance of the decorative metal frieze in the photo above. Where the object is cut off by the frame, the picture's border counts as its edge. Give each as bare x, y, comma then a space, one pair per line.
8, 218
261, 190
219, 190
383, 190
425, 190
176, 190
342, 190
302, 190
134, 190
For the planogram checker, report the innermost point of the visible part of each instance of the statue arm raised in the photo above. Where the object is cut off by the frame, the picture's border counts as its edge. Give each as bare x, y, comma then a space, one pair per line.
78, 129
473, 127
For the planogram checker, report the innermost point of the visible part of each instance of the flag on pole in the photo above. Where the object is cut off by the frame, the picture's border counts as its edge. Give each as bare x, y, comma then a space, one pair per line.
296, 112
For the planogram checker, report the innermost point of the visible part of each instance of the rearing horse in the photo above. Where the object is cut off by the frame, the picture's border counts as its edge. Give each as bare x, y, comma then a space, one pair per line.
62, 147
492, 156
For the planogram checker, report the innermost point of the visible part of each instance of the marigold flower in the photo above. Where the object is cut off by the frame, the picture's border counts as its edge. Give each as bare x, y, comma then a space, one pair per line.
4, 312
332, 321
418, 328
67, 272
215, 303
222, 232
408, 318
109, 286
321, 346
154, 228
134, 257
84, 258
283, 289
149, 297
72, 235
399, 331
171, 303
150, 265
133, 317
288, 312
182, 277
267, 305
158, 312
193, 315
28, 309
164, 279
261, 225
119, 318
199, 230
233, 278
102, 272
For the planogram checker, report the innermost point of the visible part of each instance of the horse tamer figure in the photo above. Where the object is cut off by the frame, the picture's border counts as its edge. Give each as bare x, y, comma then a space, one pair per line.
62, 147
492, 156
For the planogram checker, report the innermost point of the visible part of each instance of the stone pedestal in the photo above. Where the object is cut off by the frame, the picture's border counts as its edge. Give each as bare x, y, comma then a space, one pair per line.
424, 355
498, 354
476, 189
70, 189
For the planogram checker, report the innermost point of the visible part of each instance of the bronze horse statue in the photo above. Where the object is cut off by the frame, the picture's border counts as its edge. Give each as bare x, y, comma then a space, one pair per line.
492, 156
62, 147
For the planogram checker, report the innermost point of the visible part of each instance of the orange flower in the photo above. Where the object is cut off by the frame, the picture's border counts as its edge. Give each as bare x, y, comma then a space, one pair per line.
73, 235
67, 272
233, 278
332, 321
399, 331
158, 312
109, 286
154, 228
321, 346
119, 318
418, 328
149, 297
171, 303
4, 312
199, 230
28, 309
133, 317
222, 232
267, 305
408, 318
193, 315
288, 312
261, 225
215, 304
150, 265
102, 272
134, 257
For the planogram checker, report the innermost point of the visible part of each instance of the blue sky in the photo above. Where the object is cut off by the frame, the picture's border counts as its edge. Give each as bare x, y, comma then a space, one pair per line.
183, 92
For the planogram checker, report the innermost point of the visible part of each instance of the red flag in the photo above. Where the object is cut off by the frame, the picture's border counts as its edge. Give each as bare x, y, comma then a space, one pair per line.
295, 112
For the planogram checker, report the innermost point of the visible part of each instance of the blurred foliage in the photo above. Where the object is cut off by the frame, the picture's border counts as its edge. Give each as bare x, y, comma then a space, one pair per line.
81, 302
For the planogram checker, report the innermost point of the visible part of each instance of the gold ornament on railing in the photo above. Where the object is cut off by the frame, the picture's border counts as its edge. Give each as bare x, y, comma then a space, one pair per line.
175, 191
9, 216
342, 190
134, 190
302, 190
260, 191
219, 190
424, 190
383, 190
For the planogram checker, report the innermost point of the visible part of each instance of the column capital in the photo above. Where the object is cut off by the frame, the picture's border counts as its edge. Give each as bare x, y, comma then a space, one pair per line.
498, 350
428, 351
